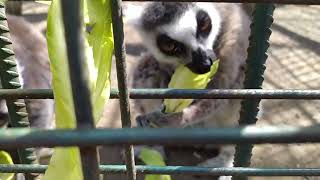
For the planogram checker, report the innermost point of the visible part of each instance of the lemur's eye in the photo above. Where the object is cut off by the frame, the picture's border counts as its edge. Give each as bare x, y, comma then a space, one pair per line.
169, 46
204, 23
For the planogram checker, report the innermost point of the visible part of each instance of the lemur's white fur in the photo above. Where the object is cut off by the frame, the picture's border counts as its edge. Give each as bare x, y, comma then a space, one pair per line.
183, 29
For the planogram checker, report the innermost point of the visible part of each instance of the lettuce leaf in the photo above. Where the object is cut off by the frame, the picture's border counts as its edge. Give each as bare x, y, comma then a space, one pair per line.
153, 157
65, 163
183, 78
5, 158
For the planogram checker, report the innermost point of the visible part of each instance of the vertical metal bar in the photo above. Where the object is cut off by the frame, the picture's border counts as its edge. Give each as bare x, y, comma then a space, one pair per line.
119, 49
257, 56
10, 80
78, 76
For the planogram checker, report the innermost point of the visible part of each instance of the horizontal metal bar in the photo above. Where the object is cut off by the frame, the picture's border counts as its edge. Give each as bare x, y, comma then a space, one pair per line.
178, 94
13, 138
26, 94
310, 2
223, 94
190, 170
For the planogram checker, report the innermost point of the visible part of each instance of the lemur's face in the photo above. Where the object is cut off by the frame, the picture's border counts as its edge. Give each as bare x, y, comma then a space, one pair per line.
179, 33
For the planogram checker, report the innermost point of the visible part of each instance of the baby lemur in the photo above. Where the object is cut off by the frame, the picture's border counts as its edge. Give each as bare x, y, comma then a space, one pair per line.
191, 34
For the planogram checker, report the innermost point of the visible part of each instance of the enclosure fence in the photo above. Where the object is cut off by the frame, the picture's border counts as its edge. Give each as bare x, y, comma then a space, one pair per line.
24, 139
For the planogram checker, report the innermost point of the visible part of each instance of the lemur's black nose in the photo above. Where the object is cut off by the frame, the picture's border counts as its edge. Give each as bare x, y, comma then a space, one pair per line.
201, 62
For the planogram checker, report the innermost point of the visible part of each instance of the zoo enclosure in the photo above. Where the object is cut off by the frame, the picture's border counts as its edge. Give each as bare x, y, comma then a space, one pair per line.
86, 137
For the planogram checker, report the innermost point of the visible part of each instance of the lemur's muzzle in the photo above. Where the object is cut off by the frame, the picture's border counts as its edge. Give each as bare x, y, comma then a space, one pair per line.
201, 61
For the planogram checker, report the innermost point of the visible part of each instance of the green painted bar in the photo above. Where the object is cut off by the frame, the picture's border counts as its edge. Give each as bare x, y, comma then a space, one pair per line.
22, 138
257, 56
174, 170
179, 94
120, 55
9, 76
71, 15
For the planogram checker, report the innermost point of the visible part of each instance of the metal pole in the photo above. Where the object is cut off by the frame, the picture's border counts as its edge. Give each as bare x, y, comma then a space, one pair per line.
72, 19
259, 43
119, 48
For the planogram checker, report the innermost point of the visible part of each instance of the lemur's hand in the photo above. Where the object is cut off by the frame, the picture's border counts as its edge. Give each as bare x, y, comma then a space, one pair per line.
159, 119
155, 119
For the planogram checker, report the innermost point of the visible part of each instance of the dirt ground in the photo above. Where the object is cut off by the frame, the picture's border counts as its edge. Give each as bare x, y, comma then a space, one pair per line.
292, 64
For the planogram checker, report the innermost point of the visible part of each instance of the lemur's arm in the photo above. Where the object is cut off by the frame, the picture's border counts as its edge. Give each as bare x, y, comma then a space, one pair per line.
195, 113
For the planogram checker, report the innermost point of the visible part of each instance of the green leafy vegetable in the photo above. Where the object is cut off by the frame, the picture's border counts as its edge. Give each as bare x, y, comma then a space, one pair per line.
65, 163
183, 78
153, 157
5, 158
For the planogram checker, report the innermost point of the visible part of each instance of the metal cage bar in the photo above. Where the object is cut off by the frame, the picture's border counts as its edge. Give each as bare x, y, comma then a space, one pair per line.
71, 14
174, 170
14, 138
119, 51
257, 56
9, 76
297, 94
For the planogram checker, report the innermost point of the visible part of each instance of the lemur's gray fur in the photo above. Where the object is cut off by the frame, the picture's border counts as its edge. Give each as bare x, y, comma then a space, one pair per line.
31, 54
30, 49
230, 29
162, 13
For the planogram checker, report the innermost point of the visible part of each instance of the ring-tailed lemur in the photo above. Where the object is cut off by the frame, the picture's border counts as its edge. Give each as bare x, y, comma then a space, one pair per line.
188, 33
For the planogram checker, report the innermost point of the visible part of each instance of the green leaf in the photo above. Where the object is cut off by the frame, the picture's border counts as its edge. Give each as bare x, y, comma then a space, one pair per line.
65, 163
5, 158
183, 78
153, 157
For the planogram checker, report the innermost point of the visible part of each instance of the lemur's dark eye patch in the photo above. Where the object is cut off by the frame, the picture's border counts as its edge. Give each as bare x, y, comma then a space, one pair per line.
170, 46
204, 24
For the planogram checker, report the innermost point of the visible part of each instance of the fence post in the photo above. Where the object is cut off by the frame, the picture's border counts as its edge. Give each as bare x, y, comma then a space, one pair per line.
257, 56
119, 49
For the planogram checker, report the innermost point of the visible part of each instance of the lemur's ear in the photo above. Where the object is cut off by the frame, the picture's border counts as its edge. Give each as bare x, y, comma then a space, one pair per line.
132, 14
